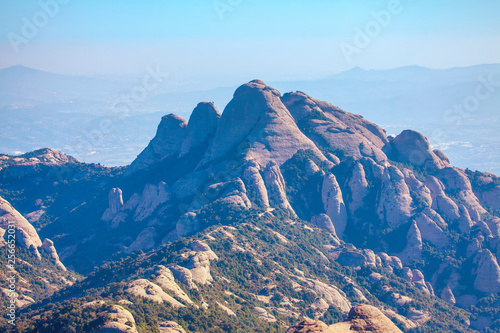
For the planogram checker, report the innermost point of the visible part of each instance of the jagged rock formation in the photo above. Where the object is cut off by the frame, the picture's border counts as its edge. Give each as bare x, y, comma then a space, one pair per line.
395, 200
361, 318
255, 184
115, 204
276, 187
152, 196
358, 186
48, 246
201, 126
334, 204
167, 142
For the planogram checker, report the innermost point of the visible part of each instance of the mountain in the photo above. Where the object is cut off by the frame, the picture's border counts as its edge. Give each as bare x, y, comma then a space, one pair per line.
280, 209
83, 117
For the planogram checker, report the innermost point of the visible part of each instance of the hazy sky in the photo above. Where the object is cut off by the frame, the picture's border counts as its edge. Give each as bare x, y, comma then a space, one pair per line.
235, 40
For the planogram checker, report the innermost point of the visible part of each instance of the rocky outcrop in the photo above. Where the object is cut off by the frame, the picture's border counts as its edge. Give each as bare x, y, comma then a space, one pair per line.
144, 241
235, 193
165, 279
465, 223
146, 289
361, 318
170, 327
487, 272
421, 192
310, 167
152, 196
255, 184
115, 204
494, 225
26, 235
257, 124
412, 147
447, 296
440, 201
167, 142
201, 126
455, 179
196, 267
324, 222
430, 230
358, 186
413, 249
48, 247
394, 200
188, 224
120, 321
276, 188
328, 125
333, 204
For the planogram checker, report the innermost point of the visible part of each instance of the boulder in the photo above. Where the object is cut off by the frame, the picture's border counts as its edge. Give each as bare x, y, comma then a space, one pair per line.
120, 321
170, 327
165, 279
430, 231
455, 179
362, 318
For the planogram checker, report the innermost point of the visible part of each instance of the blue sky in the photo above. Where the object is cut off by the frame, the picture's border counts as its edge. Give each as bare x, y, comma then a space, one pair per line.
245, 39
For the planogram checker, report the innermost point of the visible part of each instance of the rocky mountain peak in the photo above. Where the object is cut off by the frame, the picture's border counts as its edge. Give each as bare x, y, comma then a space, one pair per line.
258, 124
201, 126
167, 142
412, 147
